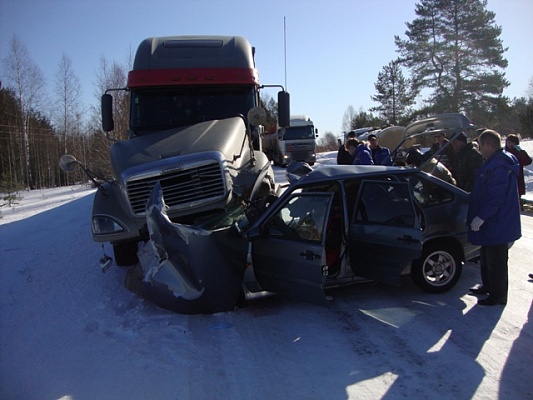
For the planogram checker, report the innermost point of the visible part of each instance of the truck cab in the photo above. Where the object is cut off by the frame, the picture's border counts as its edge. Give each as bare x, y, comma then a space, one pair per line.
194, 127
296, 142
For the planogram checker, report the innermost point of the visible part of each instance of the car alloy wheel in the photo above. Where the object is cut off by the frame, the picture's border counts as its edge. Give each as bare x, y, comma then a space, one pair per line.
438, 270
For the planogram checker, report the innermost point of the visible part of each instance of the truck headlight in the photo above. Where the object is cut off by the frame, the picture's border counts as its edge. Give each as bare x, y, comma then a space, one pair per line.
106, 226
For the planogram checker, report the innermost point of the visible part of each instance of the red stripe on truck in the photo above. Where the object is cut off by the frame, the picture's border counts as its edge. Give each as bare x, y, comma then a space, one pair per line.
193, 76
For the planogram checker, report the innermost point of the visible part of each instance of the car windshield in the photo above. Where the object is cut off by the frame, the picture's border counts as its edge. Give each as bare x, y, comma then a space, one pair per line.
223, 219
165, 108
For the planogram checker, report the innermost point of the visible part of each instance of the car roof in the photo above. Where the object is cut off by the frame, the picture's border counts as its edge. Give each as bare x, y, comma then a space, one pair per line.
341, 172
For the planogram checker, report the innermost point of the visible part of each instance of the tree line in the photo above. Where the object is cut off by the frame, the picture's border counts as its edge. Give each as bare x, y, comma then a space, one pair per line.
36, 128
452, 60
455, 62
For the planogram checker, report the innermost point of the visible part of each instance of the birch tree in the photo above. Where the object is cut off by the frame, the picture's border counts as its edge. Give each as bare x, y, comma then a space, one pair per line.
67, 105
27, 81
348, 118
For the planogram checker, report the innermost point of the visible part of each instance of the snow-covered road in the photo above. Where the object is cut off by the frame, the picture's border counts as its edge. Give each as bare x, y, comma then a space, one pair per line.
69, 331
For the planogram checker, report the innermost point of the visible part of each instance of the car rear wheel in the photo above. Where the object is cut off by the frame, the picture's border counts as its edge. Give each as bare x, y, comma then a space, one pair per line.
438, 270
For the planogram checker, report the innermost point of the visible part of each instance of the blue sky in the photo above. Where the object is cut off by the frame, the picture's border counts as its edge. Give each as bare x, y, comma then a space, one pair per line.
335, 49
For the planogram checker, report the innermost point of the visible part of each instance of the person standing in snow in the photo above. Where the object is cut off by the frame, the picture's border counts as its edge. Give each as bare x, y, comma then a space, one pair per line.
446, 156
360, 152
494, 216
512, 145
465, 162
380, 155
343, 157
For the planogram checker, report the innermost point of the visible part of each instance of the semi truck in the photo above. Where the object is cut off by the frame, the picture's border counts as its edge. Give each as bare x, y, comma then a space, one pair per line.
194, 128
296, 142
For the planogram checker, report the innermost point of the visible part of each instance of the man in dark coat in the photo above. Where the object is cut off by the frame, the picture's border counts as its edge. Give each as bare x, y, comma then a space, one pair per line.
465, 163
512, 145
494, 216
343, 156
446, 156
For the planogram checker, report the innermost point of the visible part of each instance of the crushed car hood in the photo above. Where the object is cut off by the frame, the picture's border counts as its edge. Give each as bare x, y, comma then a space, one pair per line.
188, 269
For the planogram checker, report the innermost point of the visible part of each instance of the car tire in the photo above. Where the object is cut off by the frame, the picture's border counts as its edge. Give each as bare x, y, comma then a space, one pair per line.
438, 270
125, 253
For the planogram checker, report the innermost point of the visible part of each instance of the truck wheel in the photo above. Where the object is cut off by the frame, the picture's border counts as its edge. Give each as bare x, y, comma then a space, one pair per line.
438, 270
125, 253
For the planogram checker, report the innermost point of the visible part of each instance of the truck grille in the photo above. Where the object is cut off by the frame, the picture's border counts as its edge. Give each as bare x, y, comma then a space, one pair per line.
299, 155
181, 189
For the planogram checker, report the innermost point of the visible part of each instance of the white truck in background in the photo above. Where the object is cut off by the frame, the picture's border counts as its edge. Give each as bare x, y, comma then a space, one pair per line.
297, 142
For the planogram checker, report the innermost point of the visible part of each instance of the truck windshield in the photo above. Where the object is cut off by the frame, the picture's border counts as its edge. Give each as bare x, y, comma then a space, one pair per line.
299, 132
156, 109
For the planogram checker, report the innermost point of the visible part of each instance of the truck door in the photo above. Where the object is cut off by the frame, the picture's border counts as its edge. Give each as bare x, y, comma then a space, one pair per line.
384, 234
288, 255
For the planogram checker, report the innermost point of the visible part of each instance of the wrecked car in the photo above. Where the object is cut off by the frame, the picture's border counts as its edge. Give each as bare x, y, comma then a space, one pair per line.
334, 226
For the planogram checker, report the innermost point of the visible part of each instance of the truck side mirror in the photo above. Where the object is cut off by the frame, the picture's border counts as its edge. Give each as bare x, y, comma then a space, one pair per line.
284, 109
68, 163
107, 113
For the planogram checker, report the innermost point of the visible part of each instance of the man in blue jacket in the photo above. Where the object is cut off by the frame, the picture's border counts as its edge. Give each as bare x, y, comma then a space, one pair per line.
380, 155
360, 152
494, 216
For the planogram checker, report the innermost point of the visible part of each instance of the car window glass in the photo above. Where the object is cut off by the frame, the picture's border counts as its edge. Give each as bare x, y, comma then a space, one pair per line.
302, 218
387, 203
429, 193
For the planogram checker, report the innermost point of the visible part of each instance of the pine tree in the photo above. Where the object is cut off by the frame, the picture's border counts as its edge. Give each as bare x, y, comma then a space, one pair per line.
453, 48
396, 94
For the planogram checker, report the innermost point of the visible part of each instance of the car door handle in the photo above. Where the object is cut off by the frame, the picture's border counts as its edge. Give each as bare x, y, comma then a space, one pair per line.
408, 239
309, 255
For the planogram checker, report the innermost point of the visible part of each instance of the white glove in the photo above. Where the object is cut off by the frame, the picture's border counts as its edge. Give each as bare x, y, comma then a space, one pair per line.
476, 224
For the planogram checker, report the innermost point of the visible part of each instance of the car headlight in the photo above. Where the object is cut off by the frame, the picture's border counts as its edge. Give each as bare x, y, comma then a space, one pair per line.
105, 226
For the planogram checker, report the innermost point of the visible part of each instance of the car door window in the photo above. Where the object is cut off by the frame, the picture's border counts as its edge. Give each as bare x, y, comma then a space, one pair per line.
301, 218
429, 193
387, 203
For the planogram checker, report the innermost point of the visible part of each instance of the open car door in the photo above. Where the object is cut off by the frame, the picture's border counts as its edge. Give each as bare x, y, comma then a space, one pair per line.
288, 254
384, 234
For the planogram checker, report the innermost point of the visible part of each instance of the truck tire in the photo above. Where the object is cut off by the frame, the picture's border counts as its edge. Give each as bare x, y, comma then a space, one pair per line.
125, 253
